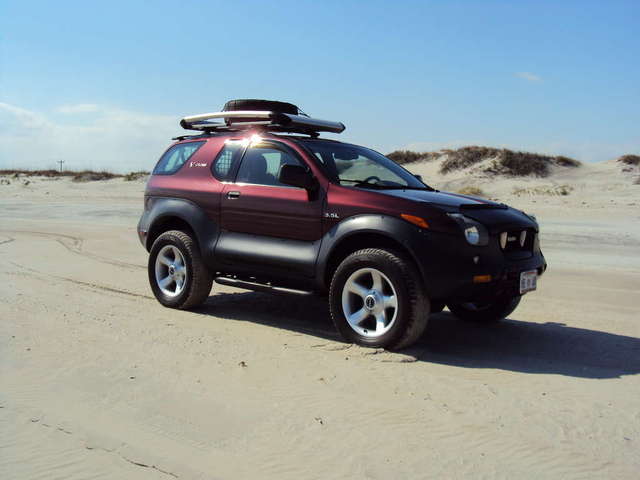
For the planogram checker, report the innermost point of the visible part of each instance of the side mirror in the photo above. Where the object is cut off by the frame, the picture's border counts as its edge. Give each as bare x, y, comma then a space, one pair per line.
419, 177
296, 176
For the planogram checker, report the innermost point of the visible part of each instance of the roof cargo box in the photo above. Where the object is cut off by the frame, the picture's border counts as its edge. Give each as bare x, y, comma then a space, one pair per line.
265, 105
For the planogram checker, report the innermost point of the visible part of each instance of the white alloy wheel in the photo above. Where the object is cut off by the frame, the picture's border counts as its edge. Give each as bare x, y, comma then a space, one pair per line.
369, 302
171, 271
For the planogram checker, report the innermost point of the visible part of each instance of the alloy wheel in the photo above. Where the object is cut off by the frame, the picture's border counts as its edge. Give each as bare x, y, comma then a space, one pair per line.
171, 271
369, 302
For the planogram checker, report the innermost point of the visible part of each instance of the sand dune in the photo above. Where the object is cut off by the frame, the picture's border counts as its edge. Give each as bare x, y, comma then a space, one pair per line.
97, 380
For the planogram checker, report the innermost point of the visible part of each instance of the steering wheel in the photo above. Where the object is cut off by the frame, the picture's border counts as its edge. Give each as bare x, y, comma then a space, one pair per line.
372, 177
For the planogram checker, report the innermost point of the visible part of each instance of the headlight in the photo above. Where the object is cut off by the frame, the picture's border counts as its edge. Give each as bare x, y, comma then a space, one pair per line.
474, 232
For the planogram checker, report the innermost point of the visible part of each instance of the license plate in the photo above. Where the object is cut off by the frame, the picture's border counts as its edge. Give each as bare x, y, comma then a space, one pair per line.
528, 281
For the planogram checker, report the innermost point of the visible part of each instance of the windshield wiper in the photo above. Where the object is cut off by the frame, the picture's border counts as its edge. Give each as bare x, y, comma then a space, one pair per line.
426, 187
362, 183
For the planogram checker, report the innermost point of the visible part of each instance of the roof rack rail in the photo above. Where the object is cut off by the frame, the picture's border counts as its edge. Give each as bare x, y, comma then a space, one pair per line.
267, 120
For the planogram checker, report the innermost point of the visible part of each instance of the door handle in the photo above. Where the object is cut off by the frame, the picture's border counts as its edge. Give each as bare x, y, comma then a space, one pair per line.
233, 195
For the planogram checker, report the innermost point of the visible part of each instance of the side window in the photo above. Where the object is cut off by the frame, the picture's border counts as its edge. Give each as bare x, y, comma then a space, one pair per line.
175, 157
261, 166
222, 166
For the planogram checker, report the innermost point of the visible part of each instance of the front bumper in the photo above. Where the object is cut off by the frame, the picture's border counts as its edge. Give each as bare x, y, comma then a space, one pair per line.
505, 281
449, 265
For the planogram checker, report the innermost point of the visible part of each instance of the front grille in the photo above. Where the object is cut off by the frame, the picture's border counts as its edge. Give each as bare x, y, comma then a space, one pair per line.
517, 242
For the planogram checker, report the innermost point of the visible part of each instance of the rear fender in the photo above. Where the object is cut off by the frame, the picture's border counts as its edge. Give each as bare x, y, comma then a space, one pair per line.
166, 213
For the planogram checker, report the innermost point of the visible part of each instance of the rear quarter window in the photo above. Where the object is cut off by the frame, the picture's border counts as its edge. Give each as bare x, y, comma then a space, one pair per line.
225, 162
175, 157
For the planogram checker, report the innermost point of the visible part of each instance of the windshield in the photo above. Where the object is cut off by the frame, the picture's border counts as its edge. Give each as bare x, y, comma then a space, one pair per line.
352, 165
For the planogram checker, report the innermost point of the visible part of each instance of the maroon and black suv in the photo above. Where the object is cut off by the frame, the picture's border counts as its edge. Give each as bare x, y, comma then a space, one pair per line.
258, 201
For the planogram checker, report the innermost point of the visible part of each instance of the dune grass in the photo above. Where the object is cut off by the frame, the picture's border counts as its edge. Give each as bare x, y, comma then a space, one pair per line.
466, 157
506, 162
407, 156
503, 161
553, 190
472, 190
76, 176
633, 160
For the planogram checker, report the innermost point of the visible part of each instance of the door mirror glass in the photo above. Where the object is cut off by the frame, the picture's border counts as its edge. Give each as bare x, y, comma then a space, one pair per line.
296, 176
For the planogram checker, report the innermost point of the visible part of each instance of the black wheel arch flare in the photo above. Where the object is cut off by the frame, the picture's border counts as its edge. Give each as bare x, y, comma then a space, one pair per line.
173, 213
369, 231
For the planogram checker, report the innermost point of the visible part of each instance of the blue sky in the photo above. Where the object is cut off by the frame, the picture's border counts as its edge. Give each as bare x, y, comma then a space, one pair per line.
103, 84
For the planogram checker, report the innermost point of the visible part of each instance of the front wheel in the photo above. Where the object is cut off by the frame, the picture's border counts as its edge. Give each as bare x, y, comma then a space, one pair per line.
377, 300
485, 312
177, 274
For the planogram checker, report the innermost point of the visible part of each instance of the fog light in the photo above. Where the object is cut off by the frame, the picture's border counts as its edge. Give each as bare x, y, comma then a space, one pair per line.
481, 278
523, 237
503, 240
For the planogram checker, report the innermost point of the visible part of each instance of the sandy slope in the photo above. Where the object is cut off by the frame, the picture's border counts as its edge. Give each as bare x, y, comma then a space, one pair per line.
97, 380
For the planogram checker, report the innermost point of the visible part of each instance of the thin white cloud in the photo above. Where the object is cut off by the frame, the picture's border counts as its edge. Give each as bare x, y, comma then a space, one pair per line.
23, 117
531, 77
113, 139
78, 108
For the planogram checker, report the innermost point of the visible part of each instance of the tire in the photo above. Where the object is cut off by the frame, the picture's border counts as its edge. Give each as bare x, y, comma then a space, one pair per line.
498, 310
390, 308
190, 283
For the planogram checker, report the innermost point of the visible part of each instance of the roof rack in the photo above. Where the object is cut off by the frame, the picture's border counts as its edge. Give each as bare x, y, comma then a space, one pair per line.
268, 120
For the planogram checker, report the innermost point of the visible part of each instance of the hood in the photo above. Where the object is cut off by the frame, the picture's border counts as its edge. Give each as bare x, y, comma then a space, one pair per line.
444, 199
495, 216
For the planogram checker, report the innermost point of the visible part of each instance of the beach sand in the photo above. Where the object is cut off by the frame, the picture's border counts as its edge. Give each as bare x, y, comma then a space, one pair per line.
98, 380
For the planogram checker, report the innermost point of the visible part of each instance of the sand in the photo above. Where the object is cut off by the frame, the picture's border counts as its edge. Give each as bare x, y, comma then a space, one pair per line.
97, 380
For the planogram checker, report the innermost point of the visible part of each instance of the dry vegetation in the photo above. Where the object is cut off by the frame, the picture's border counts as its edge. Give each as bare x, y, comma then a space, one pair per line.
503, 161
465, 157
81, 176
90, 176
472, 190
633, 160
131, 176
407, 156
544, 190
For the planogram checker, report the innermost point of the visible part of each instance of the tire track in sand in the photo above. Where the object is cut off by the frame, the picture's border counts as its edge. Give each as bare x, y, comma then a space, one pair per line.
75, 245
7, 240
38, 445
91, 285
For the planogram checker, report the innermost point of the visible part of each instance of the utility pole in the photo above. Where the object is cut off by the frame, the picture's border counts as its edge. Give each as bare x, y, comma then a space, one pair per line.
60, 162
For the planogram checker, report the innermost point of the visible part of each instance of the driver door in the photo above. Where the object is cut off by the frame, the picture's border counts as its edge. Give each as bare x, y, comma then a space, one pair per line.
265, 223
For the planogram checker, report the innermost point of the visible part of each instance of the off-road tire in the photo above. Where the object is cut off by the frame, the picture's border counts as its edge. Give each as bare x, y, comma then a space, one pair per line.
498, 310
198, 280
413, 303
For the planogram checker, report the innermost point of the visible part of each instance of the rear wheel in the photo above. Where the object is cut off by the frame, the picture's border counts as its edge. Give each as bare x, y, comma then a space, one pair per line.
177, 274
377, 300
486, 312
